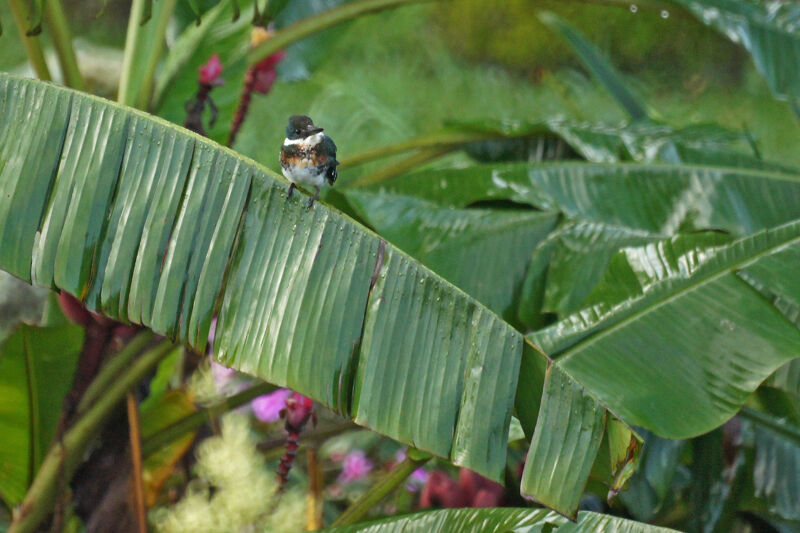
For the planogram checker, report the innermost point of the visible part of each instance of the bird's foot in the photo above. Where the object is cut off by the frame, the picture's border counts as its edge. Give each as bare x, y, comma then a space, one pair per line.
313, 198
291, 190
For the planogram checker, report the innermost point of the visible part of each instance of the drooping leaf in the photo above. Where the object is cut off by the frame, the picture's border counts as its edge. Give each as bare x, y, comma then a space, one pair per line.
768, 30
500, 520
682, 356
305, 298
602, 69
570, 427
485, 252
36, 366
573, 437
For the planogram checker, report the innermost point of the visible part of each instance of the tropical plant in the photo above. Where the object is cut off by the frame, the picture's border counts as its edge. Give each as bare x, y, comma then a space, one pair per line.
624, 305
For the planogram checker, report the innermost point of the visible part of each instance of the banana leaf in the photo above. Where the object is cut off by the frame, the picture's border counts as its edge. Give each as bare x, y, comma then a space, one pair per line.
657, 198
500, 520
148, 223
690, 338
485, 252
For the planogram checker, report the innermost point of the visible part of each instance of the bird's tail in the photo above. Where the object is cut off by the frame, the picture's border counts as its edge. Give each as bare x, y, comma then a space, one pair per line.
332, 173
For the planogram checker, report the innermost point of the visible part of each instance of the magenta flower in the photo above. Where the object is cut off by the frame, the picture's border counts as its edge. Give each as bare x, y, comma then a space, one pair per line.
355, 466
268, 407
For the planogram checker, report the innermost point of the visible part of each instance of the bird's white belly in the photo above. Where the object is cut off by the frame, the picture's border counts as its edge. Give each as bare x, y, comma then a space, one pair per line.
308, 175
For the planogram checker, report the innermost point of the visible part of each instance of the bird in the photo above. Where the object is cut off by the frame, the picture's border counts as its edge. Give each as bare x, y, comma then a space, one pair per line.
308, 156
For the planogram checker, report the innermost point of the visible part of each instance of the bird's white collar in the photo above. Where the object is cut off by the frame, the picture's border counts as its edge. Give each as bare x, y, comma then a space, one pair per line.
311, 139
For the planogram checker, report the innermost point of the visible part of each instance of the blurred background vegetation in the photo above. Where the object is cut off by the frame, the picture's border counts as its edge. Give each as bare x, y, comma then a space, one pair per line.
401, 74
463, 63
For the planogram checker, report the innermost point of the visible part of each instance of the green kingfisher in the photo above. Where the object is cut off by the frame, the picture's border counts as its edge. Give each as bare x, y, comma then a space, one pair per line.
308, 156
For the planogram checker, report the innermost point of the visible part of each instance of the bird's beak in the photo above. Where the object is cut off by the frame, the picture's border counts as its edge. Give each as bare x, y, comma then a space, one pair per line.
316, 129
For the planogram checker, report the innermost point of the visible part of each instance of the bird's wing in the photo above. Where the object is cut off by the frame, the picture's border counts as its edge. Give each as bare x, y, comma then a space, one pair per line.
330, 147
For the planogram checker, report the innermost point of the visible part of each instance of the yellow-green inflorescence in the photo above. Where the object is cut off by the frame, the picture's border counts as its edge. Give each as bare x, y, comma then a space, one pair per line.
233, 490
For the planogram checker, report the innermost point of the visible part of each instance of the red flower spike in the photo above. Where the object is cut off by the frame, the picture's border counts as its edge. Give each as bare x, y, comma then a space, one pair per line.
265, 73
211, 71
298, 411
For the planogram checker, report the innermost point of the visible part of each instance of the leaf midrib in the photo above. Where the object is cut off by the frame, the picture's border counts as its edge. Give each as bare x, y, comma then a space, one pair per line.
702, 279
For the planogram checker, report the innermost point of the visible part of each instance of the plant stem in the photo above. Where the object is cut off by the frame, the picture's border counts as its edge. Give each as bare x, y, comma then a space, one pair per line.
124, 95
64, 457
448, 141
379, 491
62, 42
135, 437
33, 47
314, 498
428, 141
317, 23
113, 368
193, 421
404, 165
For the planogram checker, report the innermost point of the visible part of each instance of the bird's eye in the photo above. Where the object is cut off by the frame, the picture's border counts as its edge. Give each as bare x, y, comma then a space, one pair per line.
297, 132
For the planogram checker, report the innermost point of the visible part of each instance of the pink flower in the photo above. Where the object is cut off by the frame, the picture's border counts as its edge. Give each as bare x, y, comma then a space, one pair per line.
268, 407
210, 72
355, 466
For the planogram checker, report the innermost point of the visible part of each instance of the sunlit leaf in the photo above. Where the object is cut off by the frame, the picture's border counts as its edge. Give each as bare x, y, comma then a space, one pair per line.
151, 224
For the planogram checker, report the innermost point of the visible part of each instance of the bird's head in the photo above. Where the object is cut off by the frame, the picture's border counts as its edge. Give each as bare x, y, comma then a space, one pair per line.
300, 127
